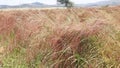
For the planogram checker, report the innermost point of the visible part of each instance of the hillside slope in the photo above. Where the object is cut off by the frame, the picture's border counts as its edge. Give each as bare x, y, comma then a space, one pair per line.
60, 38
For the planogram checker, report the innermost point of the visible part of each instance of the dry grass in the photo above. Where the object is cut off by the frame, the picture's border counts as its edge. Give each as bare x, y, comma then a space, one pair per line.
60, 38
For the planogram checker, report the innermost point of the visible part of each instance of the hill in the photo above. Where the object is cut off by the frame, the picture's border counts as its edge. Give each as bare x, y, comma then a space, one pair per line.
29, 5
101, 3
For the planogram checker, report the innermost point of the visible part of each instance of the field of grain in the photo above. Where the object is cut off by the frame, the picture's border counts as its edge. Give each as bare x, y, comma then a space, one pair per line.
60, 38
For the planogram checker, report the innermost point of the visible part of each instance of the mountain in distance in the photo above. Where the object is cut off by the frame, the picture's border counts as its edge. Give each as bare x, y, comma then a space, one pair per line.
3, 6
101, 3
29, 5
33, 5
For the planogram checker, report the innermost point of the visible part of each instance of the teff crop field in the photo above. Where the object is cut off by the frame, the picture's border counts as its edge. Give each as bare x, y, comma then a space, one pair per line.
60, 38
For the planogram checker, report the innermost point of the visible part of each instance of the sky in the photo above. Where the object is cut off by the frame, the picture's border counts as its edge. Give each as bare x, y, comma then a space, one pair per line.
50, 2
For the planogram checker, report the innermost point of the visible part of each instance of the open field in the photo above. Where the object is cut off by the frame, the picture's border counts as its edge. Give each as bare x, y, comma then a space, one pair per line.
60, 38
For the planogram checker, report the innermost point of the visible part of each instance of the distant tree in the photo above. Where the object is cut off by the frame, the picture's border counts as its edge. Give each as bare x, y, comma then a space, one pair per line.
66, 2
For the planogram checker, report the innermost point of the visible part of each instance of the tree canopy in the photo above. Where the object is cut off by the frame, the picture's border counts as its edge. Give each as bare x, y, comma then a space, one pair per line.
66, 2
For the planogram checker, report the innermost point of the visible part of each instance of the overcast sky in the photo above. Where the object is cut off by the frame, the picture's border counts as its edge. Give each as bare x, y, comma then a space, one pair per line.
17, 2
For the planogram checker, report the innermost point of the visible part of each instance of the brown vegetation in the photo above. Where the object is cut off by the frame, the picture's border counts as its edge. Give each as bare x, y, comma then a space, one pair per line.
61, 37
